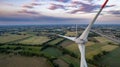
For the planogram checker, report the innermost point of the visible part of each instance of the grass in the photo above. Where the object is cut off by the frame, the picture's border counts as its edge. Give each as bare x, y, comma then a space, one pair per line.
32, 49
10, 46
9, 38
35, 40
52, 52
26, 47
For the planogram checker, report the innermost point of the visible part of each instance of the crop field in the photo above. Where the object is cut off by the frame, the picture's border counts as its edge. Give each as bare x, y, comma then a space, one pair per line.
76, 62
109, 47
61, 63
102, 39
70, 33
10, 38
73, 48
55, 41
52, 52
69, 60
89, 43
66, 43
93, 48
35, 40
63, 60
20, 61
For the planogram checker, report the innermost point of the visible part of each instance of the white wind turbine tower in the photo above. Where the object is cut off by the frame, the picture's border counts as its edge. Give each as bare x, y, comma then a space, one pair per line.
82, 40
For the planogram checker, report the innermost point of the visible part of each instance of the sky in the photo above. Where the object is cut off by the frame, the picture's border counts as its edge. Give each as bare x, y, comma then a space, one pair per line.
34, 12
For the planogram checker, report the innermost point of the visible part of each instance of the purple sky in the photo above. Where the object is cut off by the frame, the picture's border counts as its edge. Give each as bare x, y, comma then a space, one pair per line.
17, 12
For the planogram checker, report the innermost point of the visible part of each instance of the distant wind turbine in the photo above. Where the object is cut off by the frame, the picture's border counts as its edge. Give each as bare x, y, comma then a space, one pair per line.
82, 40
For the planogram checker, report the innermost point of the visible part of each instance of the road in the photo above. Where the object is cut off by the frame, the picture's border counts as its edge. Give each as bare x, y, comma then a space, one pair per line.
115, 40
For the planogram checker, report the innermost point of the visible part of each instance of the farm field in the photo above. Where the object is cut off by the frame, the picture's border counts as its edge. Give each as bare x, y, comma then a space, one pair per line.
112, 59
10, 38
55, 41
102, 39
35, 40
69, 60
21, 61
93, 48
73, 33
70, 33
66, 43
61, 63
52, 51
73, 48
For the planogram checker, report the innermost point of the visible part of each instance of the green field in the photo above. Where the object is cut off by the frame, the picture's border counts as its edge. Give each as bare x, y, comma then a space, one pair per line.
19, 48
112, 59
35, 40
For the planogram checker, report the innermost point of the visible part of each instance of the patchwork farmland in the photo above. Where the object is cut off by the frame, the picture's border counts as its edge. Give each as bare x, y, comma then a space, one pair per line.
49, 50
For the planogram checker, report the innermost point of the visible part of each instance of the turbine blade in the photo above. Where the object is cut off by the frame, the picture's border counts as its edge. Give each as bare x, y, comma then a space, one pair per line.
76, 31
82, 51
84, 35
70, 38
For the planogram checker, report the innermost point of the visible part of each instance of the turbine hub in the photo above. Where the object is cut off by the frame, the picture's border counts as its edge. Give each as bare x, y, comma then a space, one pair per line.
81, 41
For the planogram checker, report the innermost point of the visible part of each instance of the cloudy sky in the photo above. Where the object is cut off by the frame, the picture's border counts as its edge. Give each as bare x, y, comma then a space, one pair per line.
14, 12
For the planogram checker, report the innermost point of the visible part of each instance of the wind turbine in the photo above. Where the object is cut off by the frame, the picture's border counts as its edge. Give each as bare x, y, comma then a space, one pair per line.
82, 40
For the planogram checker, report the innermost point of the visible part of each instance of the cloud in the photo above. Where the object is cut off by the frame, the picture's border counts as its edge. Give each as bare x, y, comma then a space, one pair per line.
41, 19
89, 0
27, 6
56, 6
35, 0
35, 4
28, 12
31, 5
64, 1
86, 7
110, 5
117, 12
